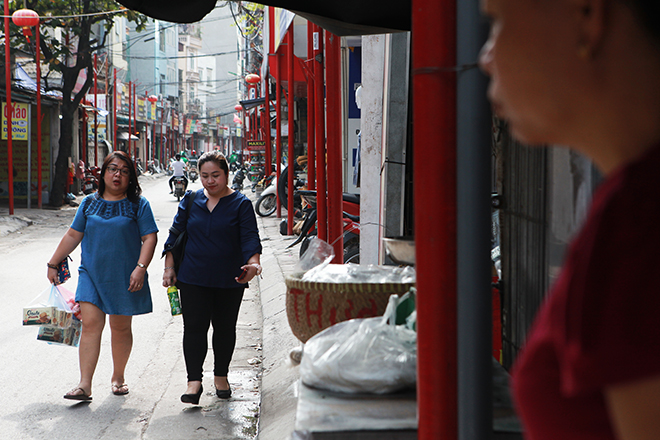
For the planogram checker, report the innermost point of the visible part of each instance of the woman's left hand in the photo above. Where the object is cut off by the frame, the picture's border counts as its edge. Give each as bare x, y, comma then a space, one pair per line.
251, 272
137, 279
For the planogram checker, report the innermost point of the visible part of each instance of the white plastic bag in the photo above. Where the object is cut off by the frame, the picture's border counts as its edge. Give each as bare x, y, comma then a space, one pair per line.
48, 308
362, 356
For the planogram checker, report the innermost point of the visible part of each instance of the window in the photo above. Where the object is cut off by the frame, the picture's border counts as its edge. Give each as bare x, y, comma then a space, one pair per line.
161, 40
191, 57
209, 75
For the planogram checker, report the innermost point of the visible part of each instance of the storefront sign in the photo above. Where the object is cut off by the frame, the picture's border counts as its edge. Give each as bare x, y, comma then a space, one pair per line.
19, 121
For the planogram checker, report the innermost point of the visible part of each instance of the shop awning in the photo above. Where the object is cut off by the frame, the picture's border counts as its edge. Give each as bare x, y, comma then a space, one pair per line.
123, 135
341, 17
252, 103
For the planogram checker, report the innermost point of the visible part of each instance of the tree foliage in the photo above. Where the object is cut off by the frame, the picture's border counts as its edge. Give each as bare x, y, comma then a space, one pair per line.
68, 43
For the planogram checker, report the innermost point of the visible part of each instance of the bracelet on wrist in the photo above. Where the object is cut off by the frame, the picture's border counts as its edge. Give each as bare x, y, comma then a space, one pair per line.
52, 266
169, 267
142, 265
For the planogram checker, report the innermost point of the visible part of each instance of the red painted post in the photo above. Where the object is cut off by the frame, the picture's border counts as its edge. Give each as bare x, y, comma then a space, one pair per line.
8, 112
319, 131
130, 121
334, 144
96, 123
434, 140
135, 147
162, 116
269, 152
290, 104
311, 156
39, 151
114, 106
278, 122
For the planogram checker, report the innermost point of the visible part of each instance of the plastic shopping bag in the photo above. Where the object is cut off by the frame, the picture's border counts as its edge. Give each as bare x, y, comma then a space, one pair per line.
65, 336
362, 356
48, 308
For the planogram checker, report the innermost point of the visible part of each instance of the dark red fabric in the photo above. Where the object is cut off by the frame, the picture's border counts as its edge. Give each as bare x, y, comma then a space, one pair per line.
600, 324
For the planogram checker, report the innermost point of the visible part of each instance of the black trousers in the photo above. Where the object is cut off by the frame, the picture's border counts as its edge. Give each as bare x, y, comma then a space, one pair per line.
202, 306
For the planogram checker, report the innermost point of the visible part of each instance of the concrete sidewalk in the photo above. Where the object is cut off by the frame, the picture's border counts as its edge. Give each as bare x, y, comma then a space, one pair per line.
279, 377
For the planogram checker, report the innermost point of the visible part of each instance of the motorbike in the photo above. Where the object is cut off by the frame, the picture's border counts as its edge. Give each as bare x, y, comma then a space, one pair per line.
179, 187
91, 181
282, 189
239, 177
193, 175
267, 202
351, 224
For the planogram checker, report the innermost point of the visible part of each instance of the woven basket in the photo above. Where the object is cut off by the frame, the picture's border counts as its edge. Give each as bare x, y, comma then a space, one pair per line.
314, 306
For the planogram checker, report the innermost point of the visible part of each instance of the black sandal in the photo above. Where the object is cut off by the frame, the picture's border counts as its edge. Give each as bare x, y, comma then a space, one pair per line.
82, 396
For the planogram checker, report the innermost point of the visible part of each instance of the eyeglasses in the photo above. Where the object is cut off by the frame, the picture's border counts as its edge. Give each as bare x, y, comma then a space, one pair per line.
114, 170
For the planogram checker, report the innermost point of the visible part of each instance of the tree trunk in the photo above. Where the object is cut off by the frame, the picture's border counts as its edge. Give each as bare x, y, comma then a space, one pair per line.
64, 152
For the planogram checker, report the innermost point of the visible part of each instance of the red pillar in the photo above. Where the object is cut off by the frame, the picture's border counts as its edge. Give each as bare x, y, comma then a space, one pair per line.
8, 113
334, 147
39, 152
290, 99
267, 138
434, 140
311, 156
96, 122
319, 131
114, 107
135, 152
278, 122
130, 121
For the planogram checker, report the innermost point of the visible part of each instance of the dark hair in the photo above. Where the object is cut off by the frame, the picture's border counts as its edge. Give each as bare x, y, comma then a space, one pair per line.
214, 156
177, 157
133, 192
648, 14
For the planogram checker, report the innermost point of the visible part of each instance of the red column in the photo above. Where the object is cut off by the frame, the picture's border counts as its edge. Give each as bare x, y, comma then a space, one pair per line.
319, 131
267, 138
135, 152
96, 123
434, 140
114, 107
130, 121
39, 152
290, 99
334, 147
311, 156
278, 122
8, 113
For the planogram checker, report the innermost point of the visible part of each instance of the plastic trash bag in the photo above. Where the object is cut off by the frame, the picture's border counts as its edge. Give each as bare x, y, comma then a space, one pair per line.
362, 356
318, 255
360, 273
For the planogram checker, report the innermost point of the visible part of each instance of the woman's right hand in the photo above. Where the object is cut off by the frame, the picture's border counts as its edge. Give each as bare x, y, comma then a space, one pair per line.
53, 276
169, 277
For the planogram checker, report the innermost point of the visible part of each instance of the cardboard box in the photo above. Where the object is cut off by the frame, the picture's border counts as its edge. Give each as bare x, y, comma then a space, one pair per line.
50, 315
67, 336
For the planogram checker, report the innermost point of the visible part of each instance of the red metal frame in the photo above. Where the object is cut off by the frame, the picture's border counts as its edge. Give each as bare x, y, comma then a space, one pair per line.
319, 131
434, 140
130, 121
96, 123
39, 121
290, 103
10, 158
278, 123
334, 147
311, 156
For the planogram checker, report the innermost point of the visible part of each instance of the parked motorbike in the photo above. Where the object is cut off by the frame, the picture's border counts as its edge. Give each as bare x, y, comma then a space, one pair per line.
179, 187
91, 181
267, 202
282, 189
351, 228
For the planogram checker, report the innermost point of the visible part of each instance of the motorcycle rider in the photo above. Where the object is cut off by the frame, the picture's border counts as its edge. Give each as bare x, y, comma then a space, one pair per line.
179, 169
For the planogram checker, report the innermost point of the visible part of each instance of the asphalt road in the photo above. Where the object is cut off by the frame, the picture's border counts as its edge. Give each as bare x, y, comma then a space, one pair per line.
34, 375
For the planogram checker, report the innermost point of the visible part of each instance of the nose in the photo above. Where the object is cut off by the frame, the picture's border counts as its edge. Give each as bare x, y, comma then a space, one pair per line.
486, 57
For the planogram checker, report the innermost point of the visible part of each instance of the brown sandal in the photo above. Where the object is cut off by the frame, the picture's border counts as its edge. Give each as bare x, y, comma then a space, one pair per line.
78, 394
119, 389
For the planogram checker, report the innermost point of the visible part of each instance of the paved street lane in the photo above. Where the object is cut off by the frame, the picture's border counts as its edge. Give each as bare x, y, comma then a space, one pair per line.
35, 375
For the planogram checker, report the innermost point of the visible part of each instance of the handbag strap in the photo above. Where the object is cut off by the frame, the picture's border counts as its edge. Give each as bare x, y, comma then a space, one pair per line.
190, 195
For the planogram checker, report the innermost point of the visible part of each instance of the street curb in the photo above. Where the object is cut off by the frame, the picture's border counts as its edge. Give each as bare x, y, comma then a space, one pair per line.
279, 397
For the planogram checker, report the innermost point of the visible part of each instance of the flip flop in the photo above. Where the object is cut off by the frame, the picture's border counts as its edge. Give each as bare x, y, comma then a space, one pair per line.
119, 389
74, 395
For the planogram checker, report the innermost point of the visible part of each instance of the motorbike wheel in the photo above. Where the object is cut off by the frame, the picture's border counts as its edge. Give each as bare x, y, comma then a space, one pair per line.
305, 244
352, 252
266, 205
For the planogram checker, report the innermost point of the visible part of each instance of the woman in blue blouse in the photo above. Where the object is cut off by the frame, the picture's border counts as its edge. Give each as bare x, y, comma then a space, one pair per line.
117, 233
223, 242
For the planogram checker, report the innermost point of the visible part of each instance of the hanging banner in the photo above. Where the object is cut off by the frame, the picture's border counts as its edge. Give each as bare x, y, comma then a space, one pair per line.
19, 121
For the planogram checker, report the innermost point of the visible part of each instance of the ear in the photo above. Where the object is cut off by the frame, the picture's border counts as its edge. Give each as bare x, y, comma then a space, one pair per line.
591, 18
